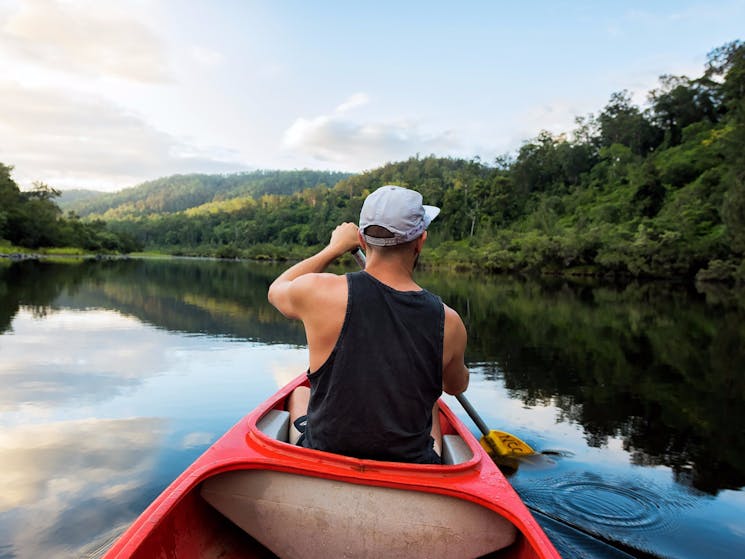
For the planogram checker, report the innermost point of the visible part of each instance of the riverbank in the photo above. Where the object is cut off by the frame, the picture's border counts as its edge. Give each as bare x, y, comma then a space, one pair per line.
447, 256
16, 253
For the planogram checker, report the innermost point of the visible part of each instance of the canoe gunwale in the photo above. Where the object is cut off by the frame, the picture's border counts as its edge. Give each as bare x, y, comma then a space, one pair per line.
357, 464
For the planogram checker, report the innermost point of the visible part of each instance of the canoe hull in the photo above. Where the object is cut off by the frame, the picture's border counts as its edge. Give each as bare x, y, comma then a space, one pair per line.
307, 503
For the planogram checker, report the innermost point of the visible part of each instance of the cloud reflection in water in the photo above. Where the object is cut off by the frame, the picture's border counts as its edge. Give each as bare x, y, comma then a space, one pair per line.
99, 411
65, 480
76, 357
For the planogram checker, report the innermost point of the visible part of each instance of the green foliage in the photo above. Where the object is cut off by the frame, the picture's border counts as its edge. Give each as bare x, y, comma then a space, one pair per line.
33, 220
181, 192
658, 192
623, 123
680, 102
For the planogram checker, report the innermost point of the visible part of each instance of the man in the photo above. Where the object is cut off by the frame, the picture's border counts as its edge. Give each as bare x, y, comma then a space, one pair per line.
381, 348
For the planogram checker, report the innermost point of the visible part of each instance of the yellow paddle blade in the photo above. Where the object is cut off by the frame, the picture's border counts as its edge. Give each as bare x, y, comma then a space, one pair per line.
499, 443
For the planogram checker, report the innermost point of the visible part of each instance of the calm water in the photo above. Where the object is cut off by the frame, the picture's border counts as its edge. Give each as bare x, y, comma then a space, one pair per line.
116, 375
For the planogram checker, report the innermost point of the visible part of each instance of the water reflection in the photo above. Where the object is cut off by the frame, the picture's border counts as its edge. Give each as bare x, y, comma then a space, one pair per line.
655, 364
103, 354
59, 477
100, 410
219, 298
638, 382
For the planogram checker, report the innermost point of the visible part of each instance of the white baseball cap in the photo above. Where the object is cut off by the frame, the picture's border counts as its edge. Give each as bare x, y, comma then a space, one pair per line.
400, 211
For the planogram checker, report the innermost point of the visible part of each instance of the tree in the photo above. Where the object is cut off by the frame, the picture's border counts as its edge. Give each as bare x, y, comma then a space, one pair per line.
650, 194
679, 102
538, 167
621, 122
733, 215
43, 192
728, 62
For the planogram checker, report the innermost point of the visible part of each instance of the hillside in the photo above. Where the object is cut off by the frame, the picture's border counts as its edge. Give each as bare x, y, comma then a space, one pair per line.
654, 191
644, 192
68, 199
181, 192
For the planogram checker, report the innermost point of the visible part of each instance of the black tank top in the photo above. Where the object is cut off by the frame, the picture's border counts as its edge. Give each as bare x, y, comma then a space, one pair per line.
373, 396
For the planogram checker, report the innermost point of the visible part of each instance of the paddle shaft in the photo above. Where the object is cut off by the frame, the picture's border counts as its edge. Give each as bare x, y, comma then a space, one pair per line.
472, 413
359, 256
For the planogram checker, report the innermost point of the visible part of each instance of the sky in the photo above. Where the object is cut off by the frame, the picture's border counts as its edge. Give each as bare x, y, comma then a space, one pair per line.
106, 94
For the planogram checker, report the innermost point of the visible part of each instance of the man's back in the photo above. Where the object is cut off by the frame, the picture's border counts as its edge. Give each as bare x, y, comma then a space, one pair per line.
374, 395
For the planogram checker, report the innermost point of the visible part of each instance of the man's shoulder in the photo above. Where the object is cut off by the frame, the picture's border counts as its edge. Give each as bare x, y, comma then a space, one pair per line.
319, 296
309, 285
451, 313
453, 322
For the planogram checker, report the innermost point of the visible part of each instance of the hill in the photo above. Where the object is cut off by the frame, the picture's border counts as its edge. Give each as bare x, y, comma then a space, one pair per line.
69, 199
180, 192
643, 192
655, 191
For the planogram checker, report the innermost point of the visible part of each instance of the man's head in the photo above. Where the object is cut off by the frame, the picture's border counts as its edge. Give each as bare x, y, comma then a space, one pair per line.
393, 215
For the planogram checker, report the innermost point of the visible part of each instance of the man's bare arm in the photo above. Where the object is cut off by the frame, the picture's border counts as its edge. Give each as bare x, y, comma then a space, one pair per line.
454, 372
286, 294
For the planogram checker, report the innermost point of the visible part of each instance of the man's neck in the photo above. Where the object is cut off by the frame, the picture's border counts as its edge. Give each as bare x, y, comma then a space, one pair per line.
393, 272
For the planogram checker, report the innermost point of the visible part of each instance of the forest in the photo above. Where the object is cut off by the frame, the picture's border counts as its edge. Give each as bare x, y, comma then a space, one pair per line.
33, 220
653, 191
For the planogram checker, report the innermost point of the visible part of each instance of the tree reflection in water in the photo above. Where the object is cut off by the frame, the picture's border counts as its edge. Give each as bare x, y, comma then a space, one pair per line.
657, 364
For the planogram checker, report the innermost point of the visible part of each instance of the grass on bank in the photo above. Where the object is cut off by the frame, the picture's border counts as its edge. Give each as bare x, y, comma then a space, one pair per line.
51, 253
7, 248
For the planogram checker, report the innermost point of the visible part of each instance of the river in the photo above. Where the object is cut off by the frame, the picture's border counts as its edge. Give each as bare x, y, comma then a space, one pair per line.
118, 374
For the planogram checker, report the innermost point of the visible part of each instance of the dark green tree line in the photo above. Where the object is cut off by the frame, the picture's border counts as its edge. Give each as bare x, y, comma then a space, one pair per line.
33, 220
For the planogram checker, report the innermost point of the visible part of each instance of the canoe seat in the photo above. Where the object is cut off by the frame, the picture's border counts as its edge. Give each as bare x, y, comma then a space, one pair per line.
455, 450
275, 424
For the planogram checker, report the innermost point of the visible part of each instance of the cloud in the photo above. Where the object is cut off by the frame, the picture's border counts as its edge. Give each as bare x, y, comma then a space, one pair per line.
556, 117
197, 439
206, 56
84, 37
340, 139
83, 140
356, 100
66, 457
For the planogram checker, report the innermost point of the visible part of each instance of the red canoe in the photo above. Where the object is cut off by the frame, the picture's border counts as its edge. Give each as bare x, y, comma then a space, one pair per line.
253, 495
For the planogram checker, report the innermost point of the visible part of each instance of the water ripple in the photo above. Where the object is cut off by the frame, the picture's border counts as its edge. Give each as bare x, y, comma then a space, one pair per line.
608, 504
590, 501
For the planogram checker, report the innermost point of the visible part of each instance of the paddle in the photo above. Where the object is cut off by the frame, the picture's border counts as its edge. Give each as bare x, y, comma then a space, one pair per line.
498, 444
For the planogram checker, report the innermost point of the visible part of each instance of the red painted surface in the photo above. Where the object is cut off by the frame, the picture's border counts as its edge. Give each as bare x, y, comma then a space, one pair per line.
180, 525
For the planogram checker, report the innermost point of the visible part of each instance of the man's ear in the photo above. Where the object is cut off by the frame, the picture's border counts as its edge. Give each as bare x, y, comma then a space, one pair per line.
420, 242
363, 244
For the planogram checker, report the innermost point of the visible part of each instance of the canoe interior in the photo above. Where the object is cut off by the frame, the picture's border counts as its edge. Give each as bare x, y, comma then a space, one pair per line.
195, 530
331, 518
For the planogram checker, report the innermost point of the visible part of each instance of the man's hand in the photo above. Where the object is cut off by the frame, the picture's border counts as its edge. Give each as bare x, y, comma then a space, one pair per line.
345, 238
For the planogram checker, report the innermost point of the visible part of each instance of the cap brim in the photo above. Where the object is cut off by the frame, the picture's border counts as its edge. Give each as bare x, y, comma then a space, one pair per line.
430, 212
